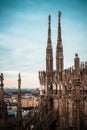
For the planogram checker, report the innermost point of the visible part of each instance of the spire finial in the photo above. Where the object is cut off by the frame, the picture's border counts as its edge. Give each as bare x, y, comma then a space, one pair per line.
19, 76
2, 77
59, 14
49, 19
59, 28
49, 30
19, 80
76, 63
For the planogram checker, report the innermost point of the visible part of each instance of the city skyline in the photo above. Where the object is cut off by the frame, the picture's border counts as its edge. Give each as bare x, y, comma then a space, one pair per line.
23, 36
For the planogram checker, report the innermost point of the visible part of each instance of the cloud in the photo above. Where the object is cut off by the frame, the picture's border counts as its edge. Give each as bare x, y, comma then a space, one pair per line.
23, 36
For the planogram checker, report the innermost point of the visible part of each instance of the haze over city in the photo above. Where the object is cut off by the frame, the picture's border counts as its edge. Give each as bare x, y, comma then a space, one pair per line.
23, 36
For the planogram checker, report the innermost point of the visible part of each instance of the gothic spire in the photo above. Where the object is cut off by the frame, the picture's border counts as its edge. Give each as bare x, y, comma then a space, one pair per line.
19, 113
49, 31
19, 81
19, 97
3, 106
59, 39
76, 64
59, 49
49, 52
1, 88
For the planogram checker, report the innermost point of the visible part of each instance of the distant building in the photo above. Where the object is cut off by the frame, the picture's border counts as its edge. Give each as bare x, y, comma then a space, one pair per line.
29, 101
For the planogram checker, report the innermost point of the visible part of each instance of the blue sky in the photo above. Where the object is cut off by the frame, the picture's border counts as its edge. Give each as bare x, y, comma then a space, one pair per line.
23, 36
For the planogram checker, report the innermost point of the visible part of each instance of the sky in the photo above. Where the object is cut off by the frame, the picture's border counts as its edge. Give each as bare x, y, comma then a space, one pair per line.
23, 36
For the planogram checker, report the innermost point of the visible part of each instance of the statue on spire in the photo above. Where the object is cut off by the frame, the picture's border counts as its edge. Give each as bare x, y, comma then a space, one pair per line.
49, 32
19, 80
59, 14
49, 18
